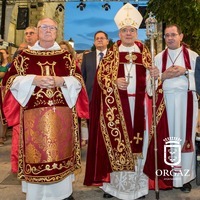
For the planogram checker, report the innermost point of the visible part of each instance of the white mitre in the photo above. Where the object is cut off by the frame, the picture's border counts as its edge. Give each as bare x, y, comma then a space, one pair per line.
128, 15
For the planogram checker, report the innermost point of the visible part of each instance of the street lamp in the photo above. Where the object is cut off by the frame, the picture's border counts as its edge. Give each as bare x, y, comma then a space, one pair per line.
71, 42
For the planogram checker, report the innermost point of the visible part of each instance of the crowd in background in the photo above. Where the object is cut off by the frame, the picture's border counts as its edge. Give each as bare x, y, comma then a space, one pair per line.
115, 86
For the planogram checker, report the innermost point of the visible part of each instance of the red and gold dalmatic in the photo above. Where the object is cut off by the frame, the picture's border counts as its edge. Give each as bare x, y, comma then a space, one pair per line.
114, 144
49, 138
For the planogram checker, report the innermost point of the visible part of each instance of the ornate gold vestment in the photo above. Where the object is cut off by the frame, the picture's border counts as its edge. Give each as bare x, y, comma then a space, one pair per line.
49, 134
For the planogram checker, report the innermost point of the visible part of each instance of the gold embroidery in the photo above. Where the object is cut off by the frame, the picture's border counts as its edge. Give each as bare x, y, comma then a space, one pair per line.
146, 57
40, 173
188, 145
50, 94
159, 112
21, 64
120, 157
138, 138
131, 57
47, 68
46, 140
44, 53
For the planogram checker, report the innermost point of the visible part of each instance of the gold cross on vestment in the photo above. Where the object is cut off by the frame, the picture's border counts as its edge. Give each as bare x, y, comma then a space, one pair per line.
131, 57
54, 109
137, 138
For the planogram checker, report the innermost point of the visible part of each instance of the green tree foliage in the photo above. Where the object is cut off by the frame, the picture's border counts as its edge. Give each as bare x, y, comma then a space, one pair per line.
185, 13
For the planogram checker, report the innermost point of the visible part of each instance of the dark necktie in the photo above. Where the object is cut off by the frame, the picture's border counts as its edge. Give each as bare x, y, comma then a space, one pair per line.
101, 56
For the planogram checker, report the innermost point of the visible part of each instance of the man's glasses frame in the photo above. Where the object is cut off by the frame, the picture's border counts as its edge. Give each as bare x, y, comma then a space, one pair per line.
126, 30
45, 27
100, 38
172, 35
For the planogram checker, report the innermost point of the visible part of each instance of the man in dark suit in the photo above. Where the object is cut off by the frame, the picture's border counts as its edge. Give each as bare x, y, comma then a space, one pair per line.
197, 75
91, 60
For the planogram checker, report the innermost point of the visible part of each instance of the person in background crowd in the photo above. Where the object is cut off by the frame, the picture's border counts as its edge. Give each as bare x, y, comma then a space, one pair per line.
91, 60
22, 46
89, 64
4, 66
118, 133
45, 85
83, 122
79, 59
86, 51
67, 46
177, 107
30, 38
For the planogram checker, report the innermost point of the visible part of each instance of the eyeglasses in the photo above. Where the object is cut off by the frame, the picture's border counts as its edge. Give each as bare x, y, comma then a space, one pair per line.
100, 38
44, 27
125, 30
172, 35
29, 33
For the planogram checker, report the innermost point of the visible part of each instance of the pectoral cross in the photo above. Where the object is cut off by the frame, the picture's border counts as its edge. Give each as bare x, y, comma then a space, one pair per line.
137, 138
129, 57
128, 77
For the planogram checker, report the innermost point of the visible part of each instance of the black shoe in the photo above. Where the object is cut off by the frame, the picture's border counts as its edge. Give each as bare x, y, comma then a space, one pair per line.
186, 188
142, 197
69, 198
107, 196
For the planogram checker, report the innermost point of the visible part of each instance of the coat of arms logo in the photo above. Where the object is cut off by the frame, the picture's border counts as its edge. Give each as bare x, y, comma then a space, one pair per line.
172, 151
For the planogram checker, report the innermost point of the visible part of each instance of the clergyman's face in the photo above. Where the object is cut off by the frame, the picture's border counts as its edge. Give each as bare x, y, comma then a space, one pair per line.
173, 38
128, 35
47, 30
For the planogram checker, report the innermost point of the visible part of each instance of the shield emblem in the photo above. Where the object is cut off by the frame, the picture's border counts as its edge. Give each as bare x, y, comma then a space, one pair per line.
172, 153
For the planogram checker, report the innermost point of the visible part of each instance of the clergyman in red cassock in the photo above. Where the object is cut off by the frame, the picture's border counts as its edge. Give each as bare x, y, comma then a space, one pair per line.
118, 133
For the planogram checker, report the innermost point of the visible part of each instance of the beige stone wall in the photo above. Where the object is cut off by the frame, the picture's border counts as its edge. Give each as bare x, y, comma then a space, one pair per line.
159, 38
36, 12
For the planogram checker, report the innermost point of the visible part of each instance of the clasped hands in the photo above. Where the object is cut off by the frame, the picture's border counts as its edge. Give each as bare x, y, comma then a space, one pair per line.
173, 71
48, 81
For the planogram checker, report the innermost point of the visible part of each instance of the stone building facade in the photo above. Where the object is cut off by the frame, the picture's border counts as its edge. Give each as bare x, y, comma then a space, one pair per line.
14, 34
